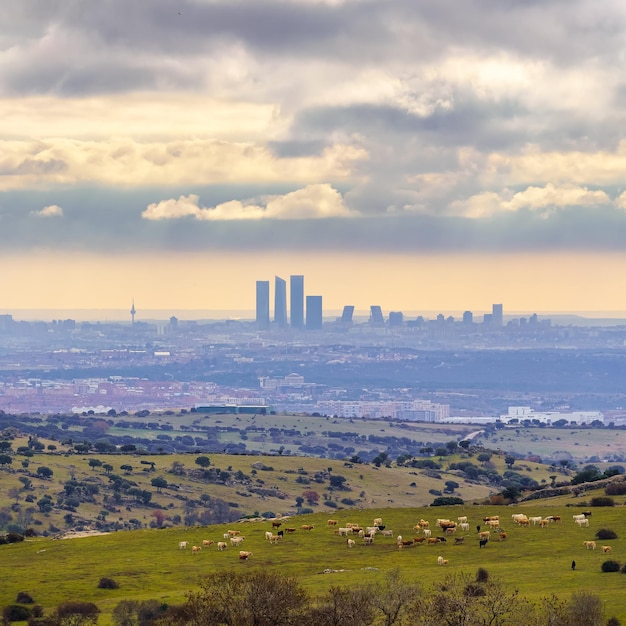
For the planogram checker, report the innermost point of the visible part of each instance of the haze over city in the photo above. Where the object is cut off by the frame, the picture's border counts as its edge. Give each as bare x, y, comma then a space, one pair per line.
417, 156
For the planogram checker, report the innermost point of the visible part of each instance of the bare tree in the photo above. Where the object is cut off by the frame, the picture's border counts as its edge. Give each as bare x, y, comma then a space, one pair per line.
394, 598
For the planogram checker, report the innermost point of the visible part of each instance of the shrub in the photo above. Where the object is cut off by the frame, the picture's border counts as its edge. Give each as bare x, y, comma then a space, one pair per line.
606, 533
331, 504
482, 575
615, 489
447, 501
24, 597
107, 583
15, 613
602, 501
14, 537
610, 566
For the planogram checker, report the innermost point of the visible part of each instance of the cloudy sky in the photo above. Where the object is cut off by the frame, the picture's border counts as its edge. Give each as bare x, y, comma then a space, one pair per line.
415, 154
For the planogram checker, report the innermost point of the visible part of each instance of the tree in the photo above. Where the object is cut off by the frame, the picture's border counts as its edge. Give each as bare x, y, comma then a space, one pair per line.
484, 457
5, 459
299, 501
343, 607
509, 459
108, 468
159, 482
259, 597
203, 461
127, 469
311, 496
337, 481
44, 472
27, 482
159, 517
93, 463
393, 598
77, 613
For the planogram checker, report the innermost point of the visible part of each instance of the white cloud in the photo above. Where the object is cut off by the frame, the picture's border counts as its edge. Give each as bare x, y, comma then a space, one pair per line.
312, 202
124, 161
49, 211
533, 198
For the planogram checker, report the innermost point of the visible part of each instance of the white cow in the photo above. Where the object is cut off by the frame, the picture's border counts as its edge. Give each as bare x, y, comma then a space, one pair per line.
182, 545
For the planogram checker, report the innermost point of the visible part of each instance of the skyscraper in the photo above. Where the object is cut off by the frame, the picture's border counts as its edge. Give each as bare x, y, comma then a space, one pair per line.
280, 302
296, 298
263, 304
376, 316
314, 315
496, 315
346, 315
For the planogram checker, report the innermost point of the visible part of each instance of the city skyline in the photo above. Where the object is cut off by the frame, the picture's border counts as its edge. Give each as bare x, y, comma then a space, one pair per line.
419, 156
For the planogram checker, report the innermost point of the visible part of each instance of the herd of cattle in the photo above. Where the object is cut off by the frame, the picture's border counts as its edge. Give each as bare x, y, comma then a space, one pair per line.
444, 530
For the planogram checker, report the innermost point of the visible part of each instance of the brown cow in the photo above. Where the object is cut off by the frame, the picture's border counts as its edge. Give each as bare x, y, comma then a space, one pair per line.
307, 527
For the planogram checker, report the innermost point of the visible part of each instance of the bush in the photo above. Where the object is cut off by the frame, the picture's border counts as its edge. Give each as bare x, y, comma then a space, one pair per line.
610, 566
107, 583
606, 533
15, 613
602, 501
24, 597
330, 503
482, 575
447, 501
615, 489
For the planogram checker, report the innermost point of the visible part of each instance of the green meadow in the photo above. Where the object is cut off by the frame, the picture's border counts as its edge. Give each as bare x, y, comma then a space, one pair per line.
148, 564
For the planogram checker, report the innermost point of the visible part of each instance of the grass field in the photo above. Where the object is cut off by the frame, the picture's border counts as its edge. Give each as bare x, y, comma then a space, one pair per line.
148, 564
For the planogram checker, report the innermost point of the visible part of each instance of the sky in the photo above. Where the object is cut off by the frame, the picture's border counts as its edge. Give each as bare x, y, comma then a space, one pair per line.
414, 154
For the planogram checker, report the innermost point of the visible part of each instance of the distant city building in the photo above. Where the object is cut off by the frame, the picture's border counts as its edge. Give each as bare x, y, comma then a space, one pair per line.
376, 316
173, 323
314, 314
396, 319
468, 318
133, 312
487, 318
496, 315
296, 298
280, 302
346, 315
410, 410
263, 304
523, 413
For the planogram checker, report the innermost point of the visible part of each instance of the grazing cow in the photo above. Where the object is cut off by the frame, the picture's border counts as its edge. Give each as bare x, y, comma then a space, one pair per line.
464, 526
221, 545
462, 520
207, 542
587, 513
482, 543
450, 530
268, 534
535, 520
442, 539
368, 541
307, 527
578, 517
344, 532
423, 523
484, 535
427, 532
290, 530
492, 518
386, 533
244, 555
406, 543
502, 536
371, 530
276, 524
583, 522
589, 545
445, 562
234, 533
275, 538
351, 543
544, 522
419, 540
378, 521
332, 522
556, 518
440, 560
281, 533
195, 549
399, 538
458, 540
493, 523
182, 545
433, 540
606, 549
236, 541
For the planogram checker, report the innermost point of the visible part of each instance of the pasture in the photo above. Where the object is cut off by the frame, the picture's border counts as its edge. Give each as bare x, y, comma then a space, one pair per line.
148, 564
